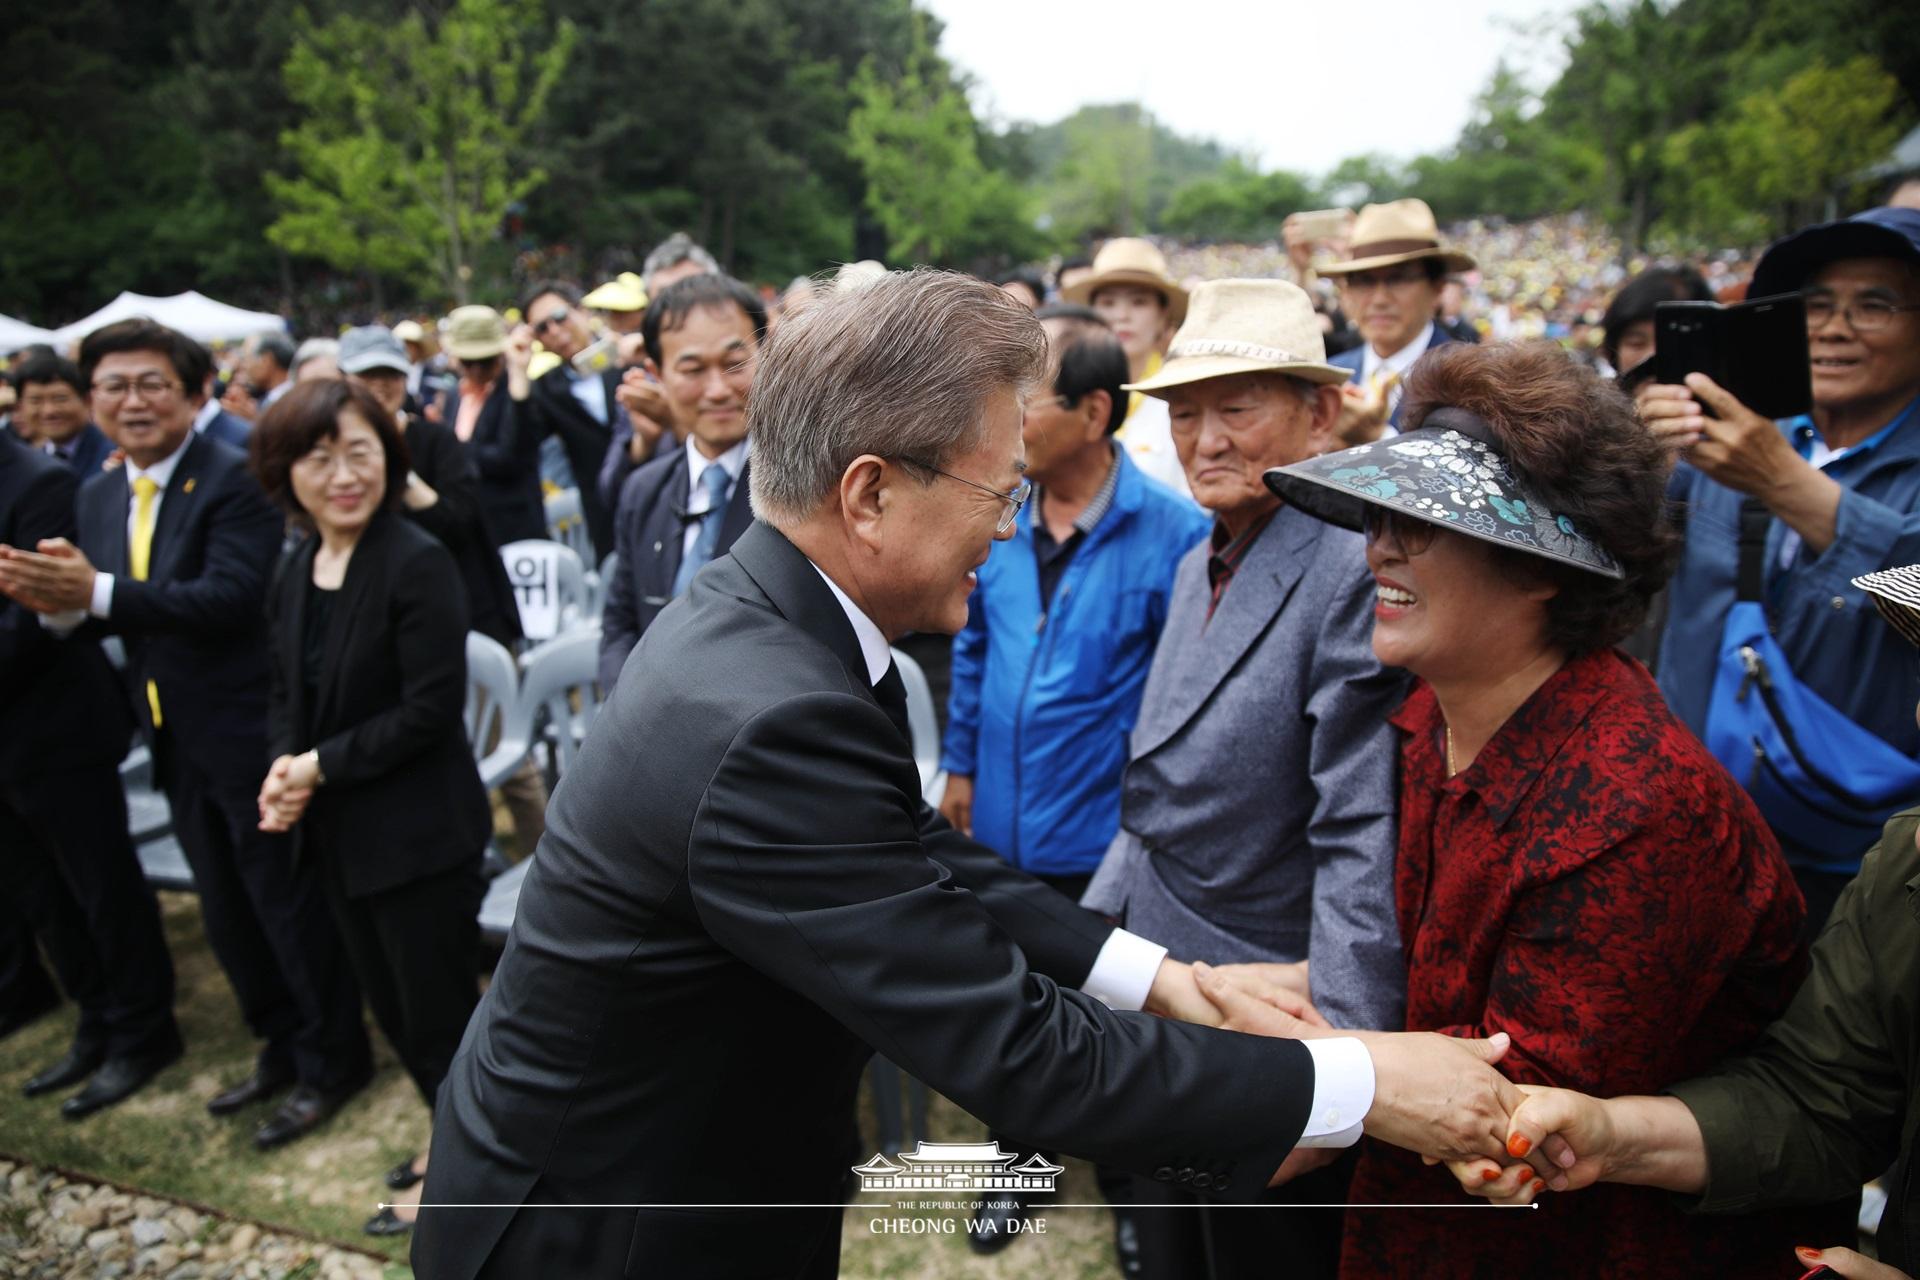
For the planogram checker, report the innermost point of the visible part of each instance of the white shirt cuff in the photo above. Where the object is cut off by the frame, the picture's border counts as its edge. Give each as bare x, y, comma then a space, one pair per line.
1123, 974
63, 623
1342, 1091
102, 604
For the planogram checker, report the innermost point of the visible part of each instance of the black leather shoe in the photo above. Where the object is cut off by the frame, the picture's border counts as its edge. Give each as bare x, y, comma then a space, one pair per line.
303, 1111
402, 1176
387, 1223
79, 1063
116, 1079
992, 1228
258, 1087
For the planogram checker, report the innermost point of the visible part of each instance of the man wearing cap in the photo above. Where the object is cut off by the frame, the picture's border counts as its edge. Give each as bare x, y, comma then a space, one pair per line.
1257, 809
1840, 489
1390, 289
1130, 288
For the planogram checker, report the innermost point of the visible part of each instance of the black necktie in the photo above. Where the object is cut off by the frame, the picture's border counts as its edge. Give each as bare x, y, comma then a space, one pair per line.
891, 693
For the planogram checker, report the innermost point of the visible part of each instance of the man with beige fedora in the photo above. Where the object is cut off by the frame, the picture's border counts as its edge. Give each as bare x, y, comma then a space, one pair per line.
1257, 809
1390, 288
1130, 289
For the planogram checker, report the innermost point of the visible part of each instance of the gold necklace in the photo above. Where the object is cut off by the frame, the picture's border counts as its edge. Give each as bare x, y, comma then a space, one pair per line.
1451, 767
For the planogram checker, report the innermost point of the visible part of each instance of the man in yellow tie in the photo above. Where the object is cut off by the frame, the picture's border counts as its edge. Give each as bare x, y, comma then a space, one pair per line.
174, 554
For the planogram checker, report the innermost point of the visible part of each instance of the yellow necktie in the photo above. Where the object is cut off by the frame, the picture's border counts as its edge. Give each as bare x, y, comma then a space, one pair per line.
140, 553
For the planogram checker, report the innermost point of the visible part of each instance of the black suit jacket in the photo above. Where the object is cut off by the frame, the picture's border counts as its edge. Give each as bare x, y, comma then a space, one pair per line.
90, 450
402, 798
197, 627
585, 440
60, 704
459, 523
739, 897
505, 448
649, 533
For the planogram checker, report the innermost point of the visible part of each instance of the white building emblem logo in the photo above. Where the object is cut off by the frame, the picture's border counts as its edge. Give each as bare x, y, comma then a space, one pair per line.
957, 1167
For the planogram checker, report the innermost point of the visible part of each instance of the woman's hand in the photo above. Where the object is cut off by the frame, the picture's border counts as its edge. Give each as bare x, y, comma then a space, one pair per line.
282, 803
1845, 1262
956, 803
418, 495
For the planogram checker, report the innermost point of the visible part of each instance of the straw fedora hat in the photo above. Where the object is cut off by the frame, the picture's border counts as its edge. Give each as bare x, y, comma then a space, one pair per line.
1399, 231
1130, 261
474, 333
1246, 326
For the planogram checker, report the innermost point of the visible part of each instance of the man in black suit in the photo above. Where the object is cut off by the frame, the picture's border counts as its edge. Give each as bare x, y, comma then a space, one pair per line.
173, 556
577, 406
52, 409
741, 894
65, 855
688, 506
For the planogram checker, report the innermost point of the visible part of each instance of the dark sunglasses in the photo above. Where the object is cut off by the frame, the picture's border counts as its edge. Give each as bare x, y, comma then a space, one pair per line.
1412, 536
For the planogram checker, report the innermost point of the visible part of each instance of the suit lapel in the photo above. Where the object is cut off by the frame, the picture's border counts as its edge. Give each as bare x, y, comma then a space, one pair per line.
1255, 597
109, 534
739, 511
797, 590
667, 528
183, 497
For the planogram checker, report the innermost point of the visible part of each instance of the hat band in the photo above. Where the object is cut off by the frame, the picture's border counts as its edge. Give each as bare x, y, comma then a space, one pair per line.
1245, 350
1382, 248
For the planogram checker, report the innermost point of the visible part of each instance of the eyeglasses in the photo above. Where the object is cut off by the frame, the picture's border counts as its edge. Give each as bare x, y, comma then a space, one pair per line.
151, 386
1014, 500
1412, 536
1387, 278
1863, 315
557, 316
323, 462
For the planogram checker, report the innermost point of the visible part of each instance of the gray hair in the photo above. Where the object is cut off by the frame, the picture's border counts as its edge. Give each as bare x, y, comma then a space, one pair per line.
313, 349
273, 343
671, 252
902, 368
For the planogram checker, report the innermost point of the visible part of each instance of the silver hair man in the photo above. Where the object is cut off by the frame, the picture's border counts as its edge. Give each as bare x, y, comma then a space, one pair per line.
673, 260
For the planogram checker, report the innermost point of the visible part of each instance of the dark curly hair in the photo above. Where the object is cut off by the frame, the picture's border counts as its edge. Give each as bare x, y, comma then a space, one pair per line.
1573, 439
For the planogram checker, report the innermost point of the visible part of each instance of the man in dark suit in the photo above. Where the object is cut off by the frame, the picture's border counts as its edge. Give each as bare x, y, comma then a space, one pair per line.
173, 556
575, 405
52, 409
687, 506
1390, 288
68, 863
741, 894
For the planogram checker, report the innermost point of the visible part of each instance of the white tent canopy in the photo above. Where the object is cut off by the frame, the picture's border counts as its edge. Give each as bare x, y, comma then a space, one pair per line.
15, 334
193, 314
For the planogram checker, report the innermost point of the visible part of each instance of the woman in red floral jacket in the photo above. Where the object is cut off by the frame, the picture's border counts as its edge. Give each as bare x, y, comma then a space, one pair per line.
1574, 868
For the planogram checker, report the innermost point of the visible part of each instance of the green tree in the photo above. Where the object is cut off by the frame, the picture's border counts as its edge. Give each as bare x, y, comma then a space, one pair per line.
1239, 203
411, 150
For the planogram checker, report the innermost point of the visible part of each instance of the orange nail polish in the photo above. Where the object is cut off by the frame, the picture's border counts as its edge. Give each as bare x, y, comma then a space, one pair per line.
1518, 1145
1807, 1251
1539, 1185
1489, 1175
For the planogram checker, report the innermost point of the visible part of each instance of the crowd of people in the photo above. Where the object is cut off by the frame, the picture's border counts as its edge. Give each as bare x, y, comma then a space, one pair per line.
1350, 643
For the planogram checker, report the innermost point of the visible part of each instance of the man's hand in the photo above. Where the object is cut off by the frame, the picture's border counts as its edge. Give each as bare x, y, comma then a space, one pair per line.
1174, 995
515, 357
57, 578
1439, 1095
956, 803
239, 401
1256, 1007
1265, 979
1556, 1139
1671, 413
1363, 411
1739, 448
646, 406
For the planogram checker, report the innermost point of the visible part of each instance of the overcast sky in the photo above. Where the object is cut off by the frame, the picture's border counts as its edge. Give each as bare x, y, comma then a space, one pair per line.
1301, 85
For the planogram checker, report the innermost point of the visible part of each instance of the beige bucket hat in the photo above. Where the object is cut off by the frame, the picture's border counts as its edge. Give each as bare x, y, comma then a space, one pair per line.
1385, 235
1128, 260
1246, 326
474, 333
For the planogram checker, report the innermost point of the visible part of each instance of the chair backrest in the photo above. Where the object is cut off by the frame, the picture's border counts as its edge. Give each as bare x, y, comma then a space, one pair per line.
567, 523
921, 721
550, 586
497, 728
553, 677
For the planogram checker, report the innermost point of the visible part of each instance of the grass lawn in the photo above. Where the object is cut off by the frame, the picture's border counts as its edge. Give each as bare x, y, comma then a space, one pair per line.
162, 1141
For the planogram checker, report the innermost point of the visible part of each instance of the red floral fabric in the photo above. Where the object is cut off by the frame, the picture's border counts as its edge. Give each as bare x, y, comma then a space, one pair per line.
1598, 887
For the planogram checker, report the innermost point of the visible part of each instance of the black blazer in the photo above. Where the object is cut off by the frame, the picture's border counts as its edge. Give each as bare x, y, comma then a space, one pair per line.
505, 448
649, 532
197, 627
740, 896
61, 706
458, 522
402, 798
90, 450
585, 440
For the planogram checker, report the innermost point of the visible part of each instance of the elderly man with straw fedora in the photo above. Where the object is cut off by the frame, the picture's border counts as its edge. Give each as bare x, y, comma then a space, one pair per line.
1257, 810
1390, 288
1130, 289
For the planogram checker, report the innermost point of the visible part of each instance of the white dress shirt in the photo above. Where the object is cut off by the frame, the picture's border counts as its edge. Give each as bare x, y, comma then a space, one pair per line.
1124, 970
1373, 364
733, 461
591, 392
208, 412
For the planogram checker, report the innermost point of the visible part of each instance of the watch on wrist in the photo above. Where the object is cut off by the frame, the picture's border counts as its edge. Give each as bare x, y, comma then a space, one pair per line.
319, 776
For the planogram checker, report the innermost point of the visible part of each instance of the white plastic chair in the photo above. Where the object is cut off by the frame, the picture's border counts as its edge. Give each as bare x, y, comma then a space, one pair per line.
493, 701
549, 585
551, 674
567, 523
924, 726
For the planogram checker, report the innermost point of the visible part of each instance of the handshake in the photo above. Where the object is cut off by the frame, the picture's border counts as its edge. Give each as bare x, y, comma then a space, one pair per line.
1436, 1095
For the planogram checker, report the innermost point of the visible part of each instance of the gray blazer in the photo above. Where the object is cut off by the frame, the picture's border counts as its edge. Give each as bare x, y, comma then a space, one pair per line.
1258, 813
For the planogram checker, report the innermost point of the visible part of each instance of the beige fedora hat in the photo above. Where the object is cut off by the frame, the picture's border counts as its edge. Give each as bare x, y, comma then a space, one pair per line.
474, 333
1246, 326
1128, 260
1399, 231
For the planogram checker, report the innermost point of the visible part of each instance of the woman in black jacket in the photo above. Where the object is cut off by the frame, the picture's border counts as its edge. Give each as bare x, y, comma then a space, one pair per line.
497, 431
371, 772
